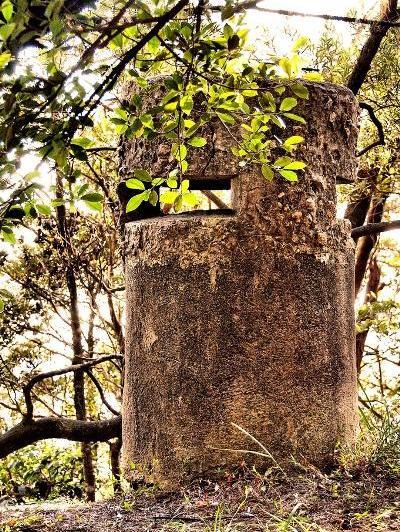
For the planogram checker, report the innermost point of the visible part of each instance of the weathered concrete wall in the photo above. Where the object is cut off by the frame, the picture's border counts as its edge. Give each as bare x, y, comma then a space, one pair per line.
245, 318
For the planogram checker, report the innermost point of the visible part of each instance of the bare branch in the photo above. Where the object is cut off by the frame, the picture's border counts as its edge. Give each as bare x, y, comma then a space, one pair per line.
379, 29
215, 199
33, 430
27, 389
379, 128
101, 393
373, 229
253, 4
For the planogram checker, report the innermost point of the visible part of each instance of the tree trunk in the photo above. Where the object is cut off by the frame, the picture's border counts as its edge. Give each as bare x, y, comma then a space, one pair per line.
77, 347
371, 291
371, 46
115, 448
366, 244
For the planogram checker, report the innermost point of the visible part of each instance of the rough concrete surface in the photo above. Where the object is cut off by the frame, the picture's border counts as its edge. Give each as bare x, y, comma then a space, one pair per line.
245, 318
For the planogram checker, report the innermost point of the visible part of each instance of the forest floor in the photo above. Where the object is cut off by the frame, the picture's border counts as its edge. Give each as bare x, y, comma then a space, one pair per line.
307, 501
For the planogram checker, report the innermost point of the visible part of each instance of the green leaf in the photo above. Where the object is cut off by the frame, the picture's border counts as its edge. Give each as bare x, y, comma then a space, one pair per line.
226, 117
82, 189
276, 119
7, 10
83, 142
227, 12
171, 106
147, 121
190, 199
4, 59
56, 27
154, 45
280, 90
295, 165
143, 175
292, 141
43, 209
121, 113
157, 181
2, 305
297, 118
287, 104
8, 235
169, 196
313, 76
6, 30
185, 185
92, 196
300, 43
197, 142
135, 202
282, 161
178, 203
172, 182
267, 172
179, 151
118, 40
153, 198
94, 205
285, 65
288, 175
228, 31
186, 104
135, 184
300, 90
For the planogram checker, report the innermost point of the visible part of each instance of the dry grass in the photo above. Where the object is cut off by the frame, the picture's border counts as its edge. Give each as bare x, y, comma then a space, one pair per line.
307, 501
363, 494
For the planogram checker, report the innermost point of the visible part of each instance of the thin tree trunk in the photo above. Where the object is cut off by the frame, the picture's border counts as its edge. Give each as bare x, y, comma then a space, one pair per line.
77, 347
115, 449
366, 244
86, 448
370, 293
371, 46
357, 211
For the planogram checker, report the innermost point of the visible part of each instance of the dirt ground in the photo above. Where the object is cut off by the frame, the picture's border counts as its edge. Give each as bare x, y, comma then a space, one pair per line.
306, 502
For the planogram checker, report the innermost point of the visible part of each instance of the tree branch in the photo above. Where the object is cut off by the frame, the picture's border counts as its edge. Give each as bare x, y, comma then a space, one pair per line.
373, 229
253, 4
215, 199
379, 128
27, 389
371, 46
111, 79
33, 430
101, 393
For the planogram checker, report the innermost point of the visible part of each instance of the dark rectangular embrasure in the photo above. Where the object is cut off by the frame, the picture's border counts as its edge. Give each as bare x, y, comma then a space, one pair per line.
209, 184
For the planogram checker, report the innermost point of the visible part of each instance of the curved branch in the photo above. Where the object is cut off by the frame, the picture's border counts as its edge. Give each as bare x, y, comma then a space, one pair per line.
34, 430
373, 229
379, 128
253, 4
27, 389
101, 393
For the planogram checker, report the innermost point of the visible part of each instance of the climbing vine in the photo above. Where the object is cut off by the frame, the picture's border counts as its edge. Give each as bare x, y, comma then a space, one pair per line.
215, 78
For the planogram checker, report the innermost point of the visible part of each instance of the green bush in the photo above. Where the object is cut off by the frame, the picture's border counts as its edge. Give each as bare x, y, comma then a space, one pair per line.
42, 471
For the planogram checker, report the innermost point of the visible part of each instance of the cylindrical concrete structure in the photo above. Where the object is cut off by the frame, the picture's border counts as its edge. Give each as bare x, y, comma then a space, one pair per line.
247, 317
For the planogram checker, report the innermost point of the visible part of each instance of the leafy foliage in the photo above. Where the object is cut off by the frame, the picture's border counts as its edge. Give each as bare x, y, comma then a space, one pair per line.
41, 472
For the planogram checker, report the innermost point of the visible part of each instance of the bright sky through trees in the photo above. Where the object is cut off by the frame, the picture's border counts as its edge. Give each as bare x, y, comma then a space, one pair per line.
311, 27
